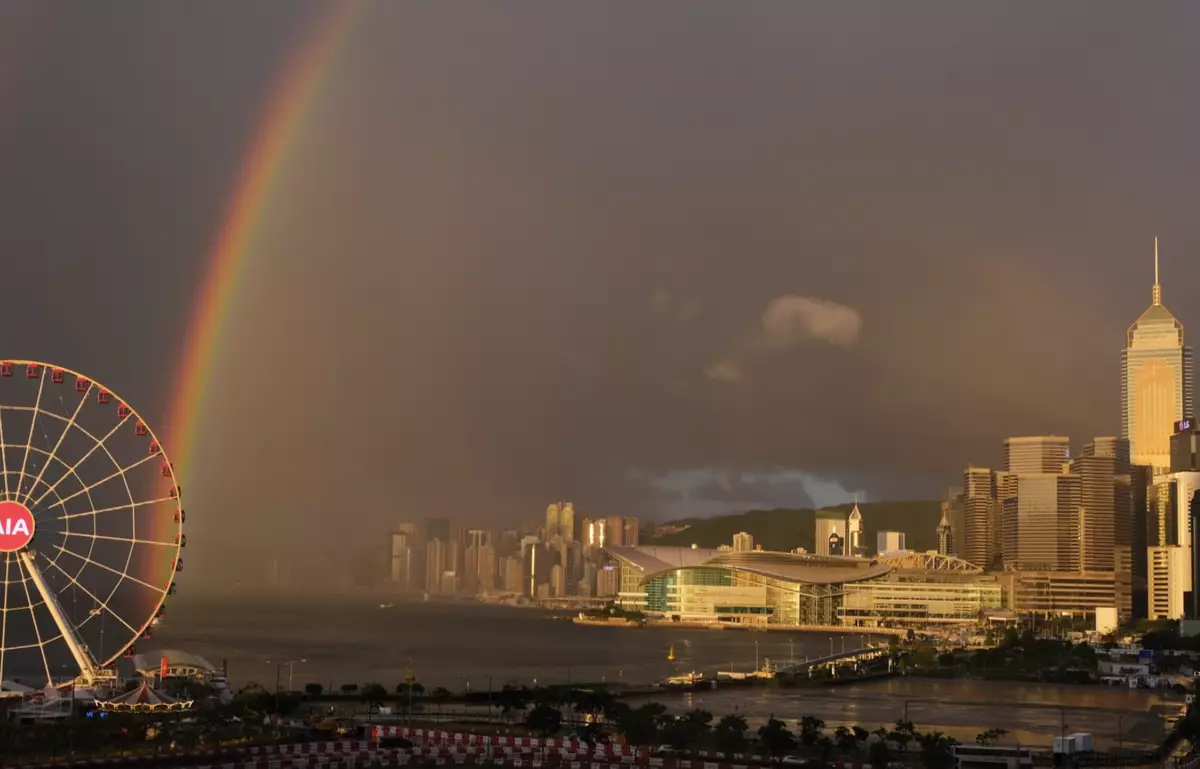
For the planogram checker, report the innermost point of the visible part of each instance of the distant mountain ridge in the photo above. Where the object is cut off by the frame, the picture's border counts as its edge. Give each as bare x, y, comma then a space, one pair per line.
785, 529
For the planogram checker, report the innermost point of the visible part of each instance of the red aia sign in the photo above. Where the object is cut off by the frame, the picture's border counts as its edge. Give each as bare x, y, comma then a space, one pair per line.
16, 527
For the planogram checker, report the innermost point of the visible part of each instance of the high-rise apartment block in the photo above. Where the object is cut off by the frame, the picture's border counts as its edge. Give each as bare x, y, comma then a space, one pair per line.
743, 542
1156, 382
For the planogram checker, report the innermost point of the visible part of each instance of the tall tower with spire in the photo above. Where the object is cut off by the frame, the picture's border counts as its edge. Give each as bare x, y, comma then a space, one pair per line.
945, 536
1156, 381
854, 531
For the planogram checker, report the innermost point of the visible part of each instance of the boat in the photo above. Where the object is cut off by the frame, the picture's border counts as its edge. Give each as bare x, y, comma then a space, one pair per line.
671, 654
387, 605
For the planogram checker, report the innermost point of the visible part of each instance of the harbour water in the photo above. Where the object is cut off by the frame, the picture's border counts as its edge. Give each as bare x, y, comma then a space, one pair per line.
454, 645
449, 644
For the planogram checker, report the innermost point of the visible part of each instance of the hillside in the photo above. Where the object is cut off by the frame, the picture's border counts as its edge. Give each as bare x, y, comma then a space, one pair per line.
785, 529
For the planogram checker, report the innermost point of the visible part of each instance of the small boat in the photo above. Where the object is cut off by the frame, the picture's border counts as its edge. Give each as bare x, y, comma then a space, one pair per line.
387, 605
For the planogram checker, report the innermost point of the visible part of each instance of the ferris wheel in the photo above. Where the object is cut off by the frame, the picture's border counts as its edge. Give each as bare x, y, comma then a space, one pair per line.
91, 527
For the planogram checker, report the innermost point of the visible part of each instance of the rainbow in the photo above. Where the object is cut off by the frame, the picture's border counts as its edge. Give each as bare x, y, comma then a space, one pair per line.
299, 85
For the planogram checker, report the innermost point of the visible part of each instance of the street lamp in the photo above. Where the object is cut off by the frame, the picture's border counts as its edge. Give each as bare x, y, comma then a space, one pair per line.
291, 666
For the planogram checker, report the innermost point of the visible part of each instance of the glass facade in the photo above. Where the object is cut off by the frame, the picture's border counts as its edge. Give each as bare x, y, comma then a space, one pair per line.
890, 602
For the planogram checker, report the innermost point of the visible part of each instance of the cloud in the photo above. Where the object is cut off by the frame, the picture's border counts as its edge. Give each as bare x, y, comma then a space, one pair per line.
703, 491
790, 321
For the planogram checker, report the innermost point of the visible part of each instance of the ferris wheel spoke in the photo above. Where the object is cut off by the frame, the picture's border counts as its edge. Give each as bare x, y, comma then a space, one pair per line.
4, 616
22, 563
106, 538
4, 459
117, 508
37, 404
87, 668
102, 604
53, 455
120, 473
106, 567
98, 444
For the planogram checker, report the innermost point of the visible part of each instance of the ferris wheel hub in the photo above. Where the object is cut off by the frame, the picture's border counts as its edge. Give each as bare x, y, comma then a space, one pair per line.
16, 526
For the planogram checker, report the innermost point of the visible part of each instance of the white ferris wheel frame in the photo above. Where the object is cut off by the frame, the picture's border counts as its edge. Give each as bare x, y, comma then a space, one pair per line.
91, 669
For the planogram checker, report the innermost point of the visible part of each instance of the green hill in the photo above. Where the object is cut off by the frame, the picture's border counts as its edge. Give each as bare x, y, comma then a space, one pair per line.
784, 529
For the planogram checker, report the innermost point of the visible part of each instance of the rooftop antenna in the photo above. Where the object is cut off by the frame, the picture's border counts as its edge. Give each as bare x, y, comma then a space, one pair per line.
1157, 293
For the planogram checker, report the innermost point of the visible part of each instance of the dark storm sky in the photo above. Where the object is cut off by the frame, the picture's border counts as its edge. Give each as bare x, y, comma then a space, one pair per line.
653, 258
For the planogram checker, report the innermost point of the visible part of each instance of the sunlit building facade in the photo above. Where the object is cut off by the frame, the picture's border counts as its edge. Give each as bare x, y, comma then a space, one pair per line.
1040, 521
1169, 577
921, 590
830, 531
762, 588
1049, 593
1156, 382
1037, 454
981, 517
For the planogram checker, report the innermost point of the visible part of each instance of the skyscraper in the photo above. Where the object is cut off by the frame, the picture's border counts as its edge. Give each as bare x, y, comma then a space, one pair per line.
945, 535
1041, 521
1184, 444
854, 531
1036, 454
830, 524
1105, 517
1156, 382
981, 519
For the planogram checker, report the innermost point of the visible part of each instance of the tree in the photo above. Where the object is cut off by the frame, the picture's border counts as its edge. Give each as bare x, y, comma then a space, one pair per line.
990, 737
935, 749
903, 734
775, 737
861, 734
730, 734
349, 689
824, 746
845, 738
694, 729
640, 725
404, 689
593, 703
810, 729
314, 690
512, 698
441, 693
544, 719
373, 695
879, 754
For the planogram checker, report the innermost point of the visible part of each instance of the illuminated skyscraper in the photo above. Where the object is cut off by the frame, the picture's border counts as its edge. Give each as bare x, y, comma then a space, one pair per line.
854, 530
945, 535
831, 532
981, 517
1036, 454
1156, 382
